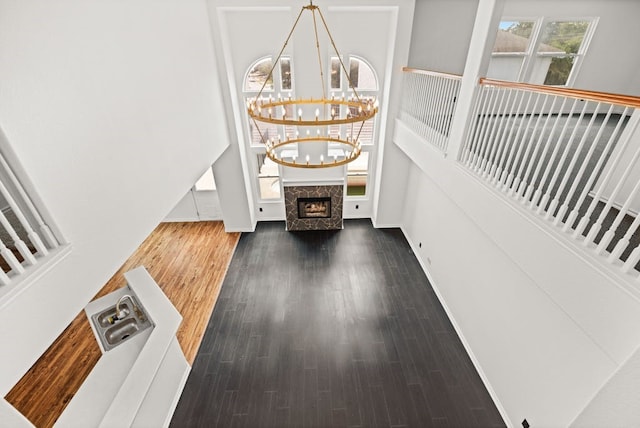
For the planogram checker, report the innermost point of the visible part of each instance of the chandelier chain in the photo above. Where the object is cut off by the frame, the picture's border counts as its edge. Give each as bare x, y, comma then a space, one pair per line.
335, 48
315, 29
275, 63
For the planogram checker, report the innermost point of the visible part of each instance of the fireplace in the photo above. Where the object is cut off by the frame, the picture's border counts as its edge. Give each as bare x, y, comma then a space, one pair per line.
314, 207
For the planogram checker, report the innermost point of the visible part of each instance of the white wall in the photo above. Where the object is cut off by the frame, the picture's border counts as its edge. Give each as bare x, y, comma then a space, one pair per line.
609, 66
111, 108
616, 404
441, 34
546, 325
442, 30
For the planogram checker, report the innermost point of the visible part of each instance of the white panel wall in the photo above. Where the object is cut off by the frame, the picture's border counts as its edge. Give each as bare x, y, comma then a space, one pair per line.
111, 107
546, 325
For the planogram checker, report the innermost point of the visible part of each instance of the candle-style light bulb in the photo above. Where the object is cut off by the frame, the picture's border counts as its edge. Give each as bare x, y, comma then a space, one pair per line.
321, 158
307, 158
299, 114
317, 113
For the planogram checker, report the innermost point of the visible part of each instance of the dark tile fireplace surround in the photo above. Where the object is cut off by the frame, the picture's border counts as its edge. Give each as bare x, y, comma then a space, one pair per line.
313, 207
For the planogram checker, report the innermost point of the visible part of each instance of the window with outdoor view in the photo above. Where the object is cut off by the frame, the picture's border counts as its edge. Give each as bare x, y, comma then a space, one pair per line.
539, 51
558, 51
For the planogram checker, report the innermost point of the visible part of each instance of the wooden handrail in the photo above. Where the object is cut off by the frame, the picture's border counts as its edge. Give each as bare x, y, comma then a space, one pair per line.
624, 100
431, 73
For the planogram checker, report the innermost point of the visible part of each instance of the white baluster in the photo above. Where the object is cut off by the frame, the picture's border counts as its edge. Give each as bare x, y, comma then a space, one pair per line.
10, 258
487, 124
44, 229
424, 105
473, 137
31, 234
556, 173
19, 243
568, 174
534, 198
443, 108
507, 172
632, 260
623, 243
574, 212
527, 183
584, 221
498, 135
610, 233
526, 144
506, 141
549, 168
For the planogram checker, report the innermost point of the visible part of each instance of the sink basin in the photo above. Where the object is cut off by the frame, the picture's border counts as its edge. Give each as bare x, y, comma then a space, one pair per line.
105, 317
113, 331
122, 331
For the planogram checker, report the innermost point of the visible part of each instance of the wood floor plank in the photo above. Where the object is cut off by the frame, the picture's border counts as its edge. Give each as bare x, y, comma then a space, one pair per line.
46, 389
338, 328
189, 262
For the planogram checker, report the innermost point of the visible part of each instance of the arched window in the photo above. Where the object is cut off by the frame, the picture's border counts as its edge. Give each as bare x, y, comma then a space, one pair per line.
365, 82
278, 83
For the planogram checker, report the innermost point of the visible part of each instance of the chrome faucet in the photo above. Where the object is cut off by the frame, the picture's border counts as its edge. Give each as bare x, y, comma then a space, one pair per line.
119, 314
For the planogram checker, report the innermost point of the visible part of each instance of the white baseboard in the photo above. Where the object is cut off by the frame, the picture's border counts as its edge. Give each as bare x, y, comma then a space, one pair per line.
386, 225
467, 347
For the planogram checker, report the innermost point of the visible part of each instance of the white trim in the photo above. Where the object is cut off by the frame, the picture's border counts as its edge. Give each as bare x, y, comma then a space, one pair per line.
221, 15
467, 347
178, 394
384, 97
385, 225
313, 182
31, 275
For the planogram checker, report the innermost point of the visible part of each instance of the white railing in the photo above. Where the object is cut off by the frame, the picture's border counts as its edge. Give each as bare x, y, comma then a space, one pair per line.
25, 239
428, 104
569, 156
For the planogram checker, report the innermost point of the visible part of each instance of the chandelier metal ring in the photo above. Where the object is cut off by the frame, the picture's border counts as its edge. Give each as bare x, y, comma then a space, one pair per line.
363, 109
305, 163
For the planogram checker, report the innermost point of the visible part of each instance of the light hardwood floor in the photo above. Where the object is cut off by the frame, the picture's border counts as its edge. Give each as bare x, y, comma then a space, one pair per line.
187, 260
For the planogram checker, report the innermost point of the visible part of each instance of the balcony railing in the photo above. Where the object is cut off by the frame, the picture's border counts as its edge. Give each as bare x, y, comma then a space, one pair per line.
428, 104
569, 156
26, 240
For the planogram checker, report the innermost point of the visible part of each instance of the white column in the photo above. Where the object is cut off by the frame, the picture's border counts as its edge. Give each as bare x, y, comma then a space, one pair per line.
481, 44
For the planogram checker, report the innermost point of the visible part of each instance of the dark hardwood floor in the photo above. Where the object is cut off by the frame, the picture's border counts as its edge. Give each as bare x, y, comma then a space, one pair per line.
330, 329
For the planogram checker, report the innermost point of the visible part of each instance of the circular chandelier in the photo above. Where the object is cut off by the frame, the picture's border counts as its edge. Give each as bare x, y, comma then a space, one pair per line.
314, 116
